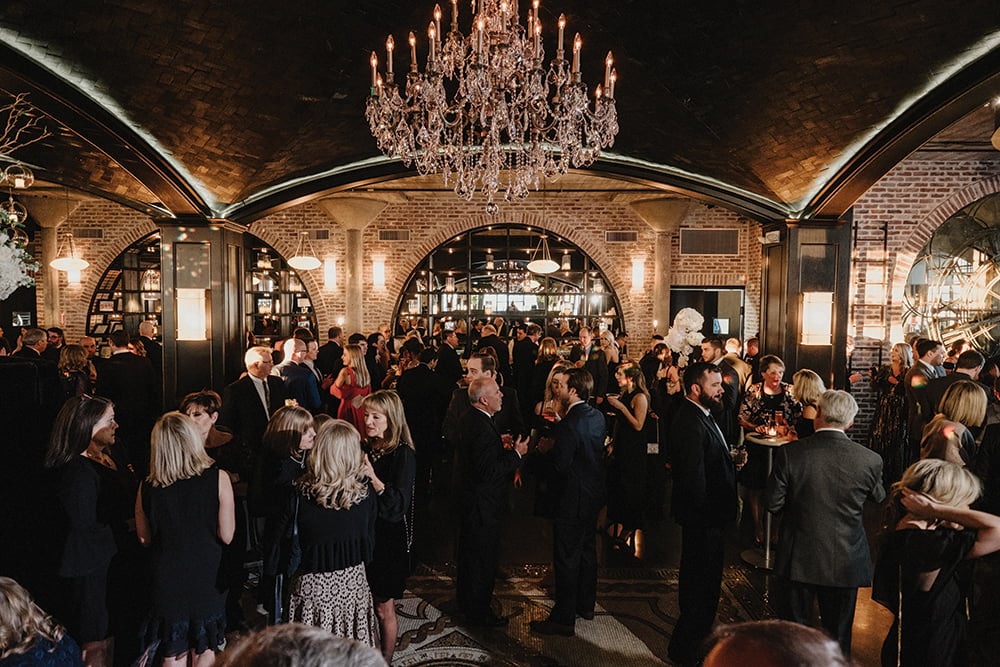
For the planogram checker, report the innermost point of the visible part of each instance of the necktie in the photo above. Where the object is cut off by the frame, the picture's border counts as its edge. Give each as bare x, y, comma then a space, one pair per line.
267, 398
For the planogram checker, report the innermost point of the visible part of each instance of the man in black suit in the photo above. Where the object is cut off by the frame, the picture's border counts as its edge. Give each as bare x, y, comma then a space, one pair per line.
330, 358
425, 396
524, 354
248, 403
967, 367
300, 383
703, 502
489, 338
728, 418
154, 351
919, 410
581, 351
487, 469
31, 394
819, 486
56, 341
577, 457
449, 366
132, 384
508, 420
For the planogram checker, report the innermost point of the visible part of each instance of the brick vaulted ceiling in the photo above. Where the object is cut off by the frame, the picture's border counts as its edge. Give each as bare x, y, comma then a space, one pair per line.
235, 108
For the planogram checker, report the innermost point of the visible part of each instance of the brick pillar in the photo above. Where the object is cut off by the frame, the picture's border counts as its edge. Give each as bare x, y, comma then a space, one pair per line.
50, 213
353, 214
665, 216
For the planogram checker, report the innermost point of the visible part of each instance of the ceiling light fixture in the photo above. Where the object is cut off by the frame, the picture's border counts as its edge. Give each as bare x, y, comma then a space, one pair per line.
486, 112
544, 263
304, 259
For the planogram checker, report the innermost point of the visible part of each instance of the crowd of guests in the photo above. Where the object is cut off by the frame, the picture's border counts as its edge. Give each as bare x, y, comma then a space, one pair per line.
323, 462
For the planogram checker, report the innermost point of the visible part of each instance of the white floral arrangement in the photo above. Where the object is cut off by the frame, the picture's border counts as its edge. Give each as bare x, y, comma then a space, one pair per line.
16, 265
685, 334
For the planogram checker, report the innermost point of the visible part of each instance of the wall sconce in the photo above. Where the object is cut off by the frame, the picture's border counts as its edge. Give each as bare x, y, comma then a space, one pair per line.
567, 263
192, 320
817, 318
330, 273
378, 273
638, 274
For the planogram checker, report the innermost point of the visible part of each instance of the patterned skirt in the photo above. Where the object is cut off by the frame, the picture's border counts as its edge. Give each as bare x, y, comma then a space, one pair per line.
340, 602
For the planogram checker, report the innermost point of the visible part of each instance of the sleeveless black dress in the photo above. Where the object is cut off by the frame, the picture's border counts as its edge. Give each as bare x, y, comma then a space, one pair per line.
627, 471
188, 592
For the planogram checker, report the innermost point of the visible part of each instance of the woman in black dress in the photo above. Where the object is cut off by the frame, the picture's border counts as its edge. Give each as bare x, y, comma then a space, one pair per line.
929, 531
75, 371
184, 513
890, 433
627, 473
392, 467
95, 492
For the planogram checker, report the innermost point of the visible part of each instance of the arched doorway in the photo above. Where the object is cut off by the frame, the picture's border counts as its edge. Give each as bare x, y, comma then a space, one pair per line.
482, 275
953, 289
275, 300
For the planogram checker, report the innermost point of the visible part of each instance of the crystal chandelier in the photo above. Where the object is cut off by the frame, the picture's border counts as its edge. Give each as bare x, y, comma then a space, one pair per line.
486, 113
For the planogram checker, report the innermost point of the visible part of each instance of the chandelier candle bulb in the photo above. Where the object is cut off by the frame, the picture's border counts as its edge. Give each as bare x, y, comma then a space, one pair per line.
577, 45
437, 18
413, 52
390, 45
562, 34
608, 62
454, 15
611, 89
374, 61
431, 38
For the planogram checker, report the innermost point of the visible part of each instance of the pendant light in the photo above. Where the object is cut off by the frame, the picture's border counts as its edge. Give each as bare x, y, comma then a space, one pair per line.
303, 259
541, 259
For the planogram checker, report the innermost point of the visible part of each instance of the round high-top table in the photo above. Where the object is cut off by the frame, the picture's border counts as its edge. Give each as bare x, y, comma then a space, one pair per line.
755, 556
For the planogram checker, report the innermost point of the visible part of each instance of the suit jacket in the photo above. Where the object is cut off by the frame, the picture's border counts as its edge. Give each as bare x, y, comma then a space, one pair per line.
937, 386
330, 358
131, 382
449, 366
503, 354
487, 469
704, 476
508, 420
729, 417
154, 352
243, 412
425, 396
919, 409
579, 485
525, 352
577, 352
741, 367
819, 485
300, 384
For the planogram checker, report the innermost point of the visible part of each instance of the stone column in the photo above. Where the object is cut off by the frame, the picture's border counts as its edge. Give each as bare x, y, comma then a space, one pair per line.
353, 214
664, 216
50, 213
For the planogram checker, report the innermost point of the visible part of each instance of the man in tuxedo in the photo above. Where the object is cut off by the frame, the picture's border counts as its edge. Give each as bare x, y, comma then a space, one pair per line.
487, 469
449, 366
300, 383
248, 403
819, 486
154, 351
919, 410
508, 420
581, 352
577, 457
732, 392
525, 352
703, 502
132, 384
489, 338
330, 358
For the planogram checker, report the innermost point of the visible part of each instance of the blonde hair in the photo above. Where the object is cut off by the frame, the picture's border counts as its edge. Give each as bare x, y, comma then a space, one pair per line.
22, 621
807, 387
177, 450
73, 358
335, 471
387, 402
356, 360
547, 348
964, 402
905, 352
946, 482
285, 428
557, 367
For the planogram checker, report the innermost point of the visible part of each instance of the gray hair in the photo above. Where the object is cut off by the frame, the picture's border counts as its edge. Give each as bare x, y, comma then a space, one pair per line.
298, 645
837, 408
478, 388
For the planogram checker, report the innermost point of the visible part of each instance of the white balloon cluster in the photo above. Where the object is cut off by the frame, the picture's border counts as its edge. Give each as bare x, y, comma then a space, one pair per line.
685, 334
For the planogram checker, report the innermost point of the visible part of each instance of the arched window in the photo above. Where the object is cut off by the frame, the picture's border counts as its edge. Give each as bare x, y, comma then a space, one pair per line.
953, 290
482, 275
129, 292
